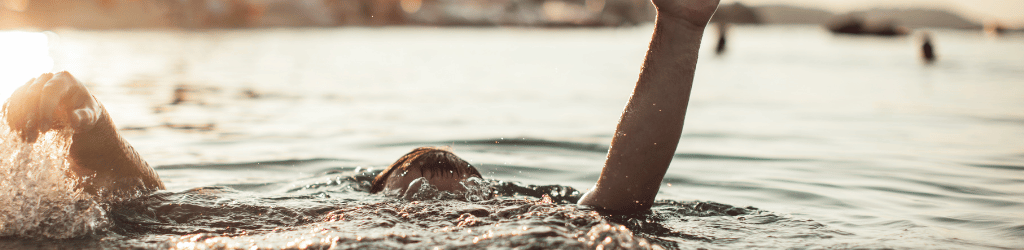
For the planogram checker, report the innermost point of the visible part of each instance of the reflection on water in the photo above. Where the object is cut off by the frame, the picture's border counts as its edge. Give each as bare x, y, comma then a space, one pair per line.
842, 142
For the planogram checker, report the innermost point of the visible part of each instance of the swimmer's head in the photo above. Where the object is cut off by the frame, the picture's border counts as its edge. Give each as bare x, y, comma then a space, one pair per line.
440, 167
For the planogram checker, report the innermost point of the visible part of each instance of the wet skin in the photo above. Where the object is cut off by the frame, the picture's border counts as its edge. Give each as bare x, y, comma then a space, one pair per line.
100, 160
649, 129
641, 150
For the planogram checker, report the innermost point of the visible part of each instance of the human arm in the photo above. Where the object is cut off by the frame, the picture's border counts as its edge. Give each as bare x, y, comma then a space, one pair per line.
100, 160
648, 132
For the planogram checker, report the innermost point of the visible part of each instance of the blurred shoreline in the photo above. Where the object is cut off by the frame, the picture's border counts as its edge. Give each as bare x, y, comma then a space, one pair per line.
205, 14
240, 14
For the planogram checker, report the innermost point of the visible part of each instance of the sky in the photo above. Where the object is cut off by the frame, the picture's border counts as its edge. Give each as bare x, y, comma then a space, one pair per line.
1009, 12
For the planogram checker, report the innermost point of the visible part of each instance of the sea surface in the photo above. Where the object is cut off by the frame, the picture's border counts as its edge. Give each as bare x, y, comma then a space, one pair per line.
794, 139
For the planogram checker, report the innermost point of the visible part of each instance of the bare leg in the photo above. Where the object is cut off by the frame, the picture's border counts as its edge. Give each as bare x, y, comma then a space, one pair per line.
649, 130
103, 162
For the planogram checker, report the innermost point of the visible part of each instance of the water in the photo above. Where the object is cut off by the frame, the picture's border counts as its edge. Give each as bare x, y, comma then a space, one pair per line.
795, 138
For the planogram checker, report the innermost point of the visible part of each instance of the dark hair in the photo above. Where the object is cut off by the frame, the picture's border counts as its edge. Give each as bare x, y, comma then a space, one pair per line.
436, 160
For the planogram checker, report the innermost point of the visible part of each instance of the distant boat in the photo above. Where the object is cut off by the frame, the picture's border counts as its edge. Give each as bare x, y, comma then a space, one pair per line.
994, 28
855, 25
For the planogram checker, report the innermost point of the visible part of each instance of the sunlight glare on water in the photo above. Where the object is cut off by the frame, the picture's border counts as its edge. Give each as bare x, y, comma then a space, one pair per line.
23, 55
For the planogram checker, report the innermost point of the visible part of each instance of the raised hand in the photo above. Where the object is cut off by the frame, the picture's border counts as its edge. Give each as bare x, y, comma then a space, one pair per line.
51, 101
100, 159
648, 132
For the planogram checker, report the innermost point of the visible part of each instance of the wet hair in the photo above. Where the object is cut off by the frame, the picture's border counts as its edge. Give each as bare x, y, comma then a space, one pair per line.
435, 160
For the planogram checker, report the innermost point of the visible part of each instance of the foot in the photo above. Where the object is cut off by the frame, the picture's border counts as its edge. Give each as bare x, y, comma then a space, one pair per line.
51, 101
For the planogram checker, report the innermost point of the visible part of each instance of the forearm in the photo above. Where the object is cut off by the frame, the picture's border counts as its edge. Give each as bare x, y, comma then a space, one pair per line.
106, 164
649, 129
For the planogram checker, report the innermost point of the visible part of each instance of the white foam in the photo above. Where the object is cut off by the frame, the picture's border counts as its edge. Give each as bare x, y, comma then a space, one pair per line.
37, 198
421, 189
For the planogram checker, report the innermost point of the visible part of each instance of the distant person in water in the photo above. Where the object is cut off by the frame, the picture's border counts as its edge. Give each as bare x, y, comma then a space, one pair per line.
927, 51
723, 28
642, 147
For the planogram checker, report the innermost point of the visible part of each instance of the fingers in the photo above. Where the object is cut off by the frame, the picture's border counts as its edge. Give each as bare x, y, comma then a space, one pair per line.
30, 105
81, 108
48, 100
14, 112
83, 119
53, 93
23, 109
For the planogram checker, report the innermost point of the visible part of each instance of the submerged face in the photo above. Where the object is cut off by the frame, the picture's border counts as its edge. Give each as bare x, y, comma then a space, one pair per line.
440, 167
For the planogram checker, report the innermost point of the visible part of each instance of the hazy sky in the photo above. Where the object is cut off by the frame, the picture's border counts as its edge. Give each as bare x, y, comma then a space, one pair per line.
1009, 12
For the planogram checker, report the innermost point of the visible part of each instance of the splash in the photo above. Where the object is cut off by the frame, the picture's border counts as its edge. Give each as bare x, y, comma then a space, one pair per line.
503, 222
420, 189
37, 199
333, 210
